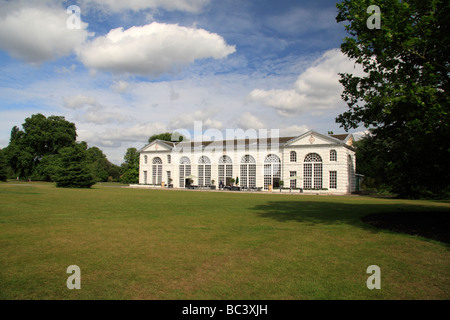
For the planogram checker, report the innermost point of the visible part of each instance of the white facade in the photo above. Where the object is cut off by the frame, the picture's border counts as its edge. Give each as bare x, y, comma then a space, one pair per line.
318, 162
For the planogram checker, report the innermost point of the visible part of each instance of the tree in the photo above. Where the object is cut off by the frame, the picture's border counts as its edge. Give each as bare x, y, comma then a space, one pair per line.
371, 163
403, 96
30, 152
102, 169
166, 137
74, 170
130, 168
3, 167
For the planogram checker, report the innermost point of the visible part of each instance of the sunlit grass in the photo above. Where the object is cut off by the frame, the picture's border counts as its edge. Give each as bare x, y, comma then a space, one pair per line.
167, 244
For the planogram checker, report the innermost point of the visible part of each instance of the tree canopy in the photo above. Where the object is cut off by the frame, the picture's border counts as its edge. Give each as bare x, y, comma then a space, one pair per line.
30, 150
38, 151
403, 96
73, 170
3, 166
130, 167
166, 136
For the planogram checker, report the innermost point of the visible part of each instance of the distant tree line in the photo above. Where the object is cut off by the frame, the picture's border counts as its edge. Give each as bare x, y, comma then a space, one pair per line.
45, 149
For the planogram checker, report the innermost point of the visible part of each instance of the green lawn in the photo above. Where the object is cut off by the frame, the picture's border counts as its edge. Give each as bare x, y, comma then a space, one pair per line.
161, 244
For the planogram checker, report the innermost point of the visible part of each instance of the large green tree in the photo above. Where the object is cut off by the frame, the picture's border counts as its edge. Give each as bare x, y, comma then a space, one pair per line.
130, 167
403, 96
30, 151
74, 170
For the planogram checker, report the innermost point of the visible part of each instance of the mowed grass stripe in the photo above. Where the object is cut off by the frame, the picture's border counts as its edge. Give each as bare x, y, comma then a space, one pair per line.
161, 244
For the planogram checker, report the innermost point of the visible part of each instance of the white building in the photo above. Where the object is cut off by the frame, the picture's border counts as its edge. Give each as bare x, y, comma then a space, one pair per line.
308, 163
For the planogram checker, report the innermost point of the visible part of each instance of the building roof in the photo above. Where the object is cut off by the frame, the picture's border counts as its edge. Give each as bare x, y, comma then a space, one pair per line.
344, 139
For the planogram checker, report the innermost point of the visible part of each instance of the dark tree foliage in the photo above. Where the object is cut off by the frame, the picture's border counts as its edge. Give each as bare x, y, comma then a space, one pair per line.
403, 97
101, 168
166, 137
36, 151
31, 151
130, 167
74, 170
3, 166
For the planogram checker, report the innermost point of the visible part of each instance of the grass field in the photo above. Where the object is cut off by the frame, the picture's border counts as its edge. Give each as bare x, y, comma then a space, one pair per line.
161, 244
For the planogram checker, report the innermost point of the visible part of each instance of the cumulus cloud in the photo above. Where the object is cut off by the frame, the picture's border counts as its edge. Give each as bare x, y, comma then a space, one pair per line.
138, 133
93, 110
120, 86
205, 117
36, 31
81, 101
194, 6
316, 89
248, 120
293, 130
104, 117
152, 49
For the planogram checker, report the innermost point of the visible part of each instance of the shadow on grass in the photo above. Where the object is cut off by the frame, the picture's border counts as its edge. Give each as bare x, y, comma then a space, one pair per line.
420, 220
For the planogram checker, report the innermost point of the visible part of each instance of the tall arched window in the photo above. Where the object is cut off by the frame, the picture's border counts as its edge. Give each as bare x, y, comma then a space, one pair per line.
312, 171
248, 172
225, 170
185, 170
156, 170
204, 171
293, 156
272, 171
333, 155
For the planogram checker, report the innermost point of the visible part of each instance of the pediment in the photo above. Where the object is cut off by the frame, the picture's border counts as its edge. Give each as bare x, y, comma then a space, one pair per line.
155, 146
312, 138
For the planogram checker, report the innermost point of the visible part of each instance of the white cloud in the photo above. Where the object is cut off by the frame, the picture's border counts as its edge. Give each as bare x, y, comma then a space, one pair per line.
293, 130
37, 31
204, 116
115, 137
120, 86
80, 102
152, 49
104, 117
248, 120
316, 89
194, 6
93, 110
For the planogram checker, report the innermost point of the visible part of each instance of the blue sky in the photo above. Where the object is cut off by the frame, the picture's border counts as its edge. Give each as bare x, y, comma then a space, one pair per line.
134, 68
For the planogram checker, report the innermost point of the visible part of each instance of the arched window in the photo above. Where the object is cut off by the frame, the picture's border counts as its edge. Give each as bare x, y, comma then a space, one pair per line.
312, 171
272, 171
204, 171
156, 170
225, 170
293, 156
248, 172
185, 170
333, 155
